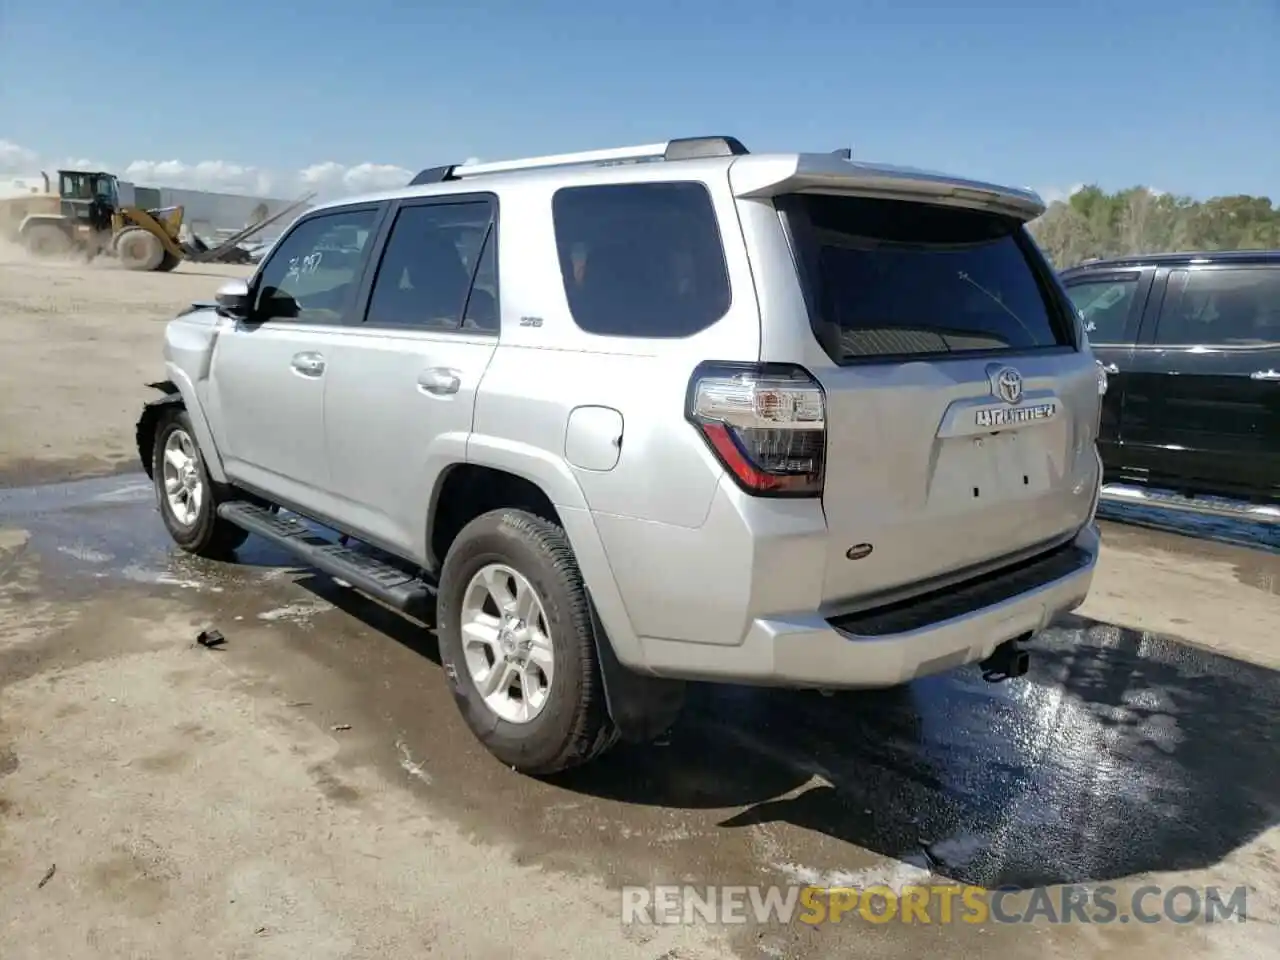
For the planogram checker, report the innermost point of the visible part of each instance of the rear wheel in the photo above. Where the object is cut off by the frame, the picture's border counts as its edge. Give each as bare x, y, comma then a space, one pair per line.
138, 249
518, 646
46, 240
187, 498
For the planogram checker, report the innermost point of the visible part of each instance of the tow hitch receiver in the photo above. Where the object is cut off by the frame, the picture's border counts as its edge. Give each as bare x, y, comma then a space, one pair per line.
1006, 661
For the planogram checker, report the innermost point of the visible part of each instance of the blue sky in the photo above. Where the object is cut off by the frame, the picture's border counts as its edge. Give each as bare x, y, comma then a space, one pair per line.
1180, 94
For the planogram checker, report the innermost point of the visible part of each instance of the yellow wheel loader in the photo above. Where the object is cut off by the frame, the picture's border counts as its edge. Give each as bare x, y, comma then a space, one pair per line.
84, 215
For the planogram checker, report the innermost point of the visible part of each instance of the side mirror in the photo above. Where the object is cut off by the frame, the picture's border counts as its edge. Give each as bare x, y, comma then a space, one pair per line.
233, 298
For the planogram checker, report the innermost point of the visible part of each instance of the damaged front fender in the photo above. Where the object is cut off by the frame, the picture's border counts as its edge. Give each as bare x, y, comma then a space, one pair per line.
178, 391
145, 430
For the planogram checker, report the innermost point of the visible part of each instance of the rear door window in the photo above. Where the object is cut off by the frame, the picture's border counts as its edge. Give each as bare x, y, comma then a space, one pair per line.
892, 278
424, 279
1105, 306
641, 260
1230, 307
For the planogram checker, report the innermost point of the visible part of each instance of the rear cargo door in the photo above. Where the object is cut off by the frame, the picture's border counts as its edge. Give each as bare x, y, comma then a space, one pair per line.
960, 414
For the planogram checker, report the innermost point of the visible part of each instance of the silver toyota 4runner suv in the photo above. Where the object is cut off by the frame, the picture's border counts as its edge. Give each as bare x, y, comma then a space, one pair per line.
625, 419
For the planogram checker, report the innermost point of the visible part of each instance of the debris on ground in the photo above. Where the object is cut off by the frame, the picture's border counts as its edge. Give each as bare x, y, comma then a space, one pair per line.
411, 766
48, 875
341, 726
211, 639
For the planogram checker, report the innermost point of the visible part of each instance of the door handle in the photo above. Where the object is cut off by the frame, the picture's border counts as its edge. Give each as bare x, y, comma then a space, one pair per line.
1265, 375
309, 364
440, 380
1110, 368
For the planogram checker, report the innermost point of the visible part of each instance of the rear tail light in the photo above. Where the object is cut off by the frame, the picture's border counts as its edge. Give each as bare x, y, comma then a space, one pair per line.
765, 422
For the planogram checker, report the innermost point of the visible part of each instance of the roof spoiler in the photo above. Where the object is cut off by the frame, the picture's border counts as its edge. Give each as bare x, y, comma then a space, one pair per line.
766, 176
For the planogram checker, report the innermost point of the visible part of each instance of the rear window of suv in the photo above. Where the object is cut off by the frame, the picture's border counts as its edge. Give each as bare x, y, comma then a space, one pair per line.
895, 278
642, 259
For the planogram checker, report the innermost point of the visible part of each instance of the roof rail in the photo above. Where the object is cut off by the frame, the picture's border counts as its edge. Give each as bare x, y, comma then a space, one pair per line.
683, 148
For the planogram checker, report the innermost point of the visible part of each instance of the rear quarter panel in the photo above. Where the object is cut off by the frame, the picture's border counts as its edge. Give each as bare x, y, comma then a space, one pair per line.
546, 366
625, 522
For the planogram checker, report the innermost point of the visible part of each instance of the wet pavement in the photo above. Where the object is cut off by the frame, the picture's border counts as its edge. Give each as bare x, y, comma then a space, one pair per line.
1122, 754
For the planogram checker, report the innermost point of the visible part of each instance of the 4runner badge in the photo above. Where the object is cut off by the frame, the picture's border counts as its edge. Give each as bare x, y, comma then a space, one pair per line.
1003, 416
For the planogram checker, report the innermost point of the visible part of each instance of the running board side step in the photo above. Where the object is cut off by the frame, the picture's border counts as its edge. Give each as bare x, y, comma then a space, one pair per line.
1205, 506
381, 580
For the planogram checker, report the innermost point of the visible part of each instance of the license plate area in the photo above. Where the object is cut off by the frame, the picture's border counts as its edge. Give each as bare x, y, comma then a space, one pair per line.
988, 470
990, 454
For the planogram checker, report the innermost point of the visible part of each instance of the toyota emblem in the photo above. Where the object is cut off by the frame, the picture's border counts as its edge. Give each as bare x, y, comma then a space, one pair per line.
1008, 384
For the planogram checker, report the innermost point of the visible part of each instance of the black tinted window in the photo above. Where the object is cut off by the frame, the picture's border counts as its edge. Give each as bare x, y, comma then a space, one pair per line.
427, 264
1104, 307
641, 260
1232, 306
312, 273
890, 277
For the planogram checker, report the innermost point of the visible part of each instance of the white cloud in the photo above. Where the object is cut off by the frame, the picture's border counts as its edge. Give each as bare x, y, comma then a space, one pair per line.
77, 163
363, 177
16, 159
204, 175
1054, 194
328, 178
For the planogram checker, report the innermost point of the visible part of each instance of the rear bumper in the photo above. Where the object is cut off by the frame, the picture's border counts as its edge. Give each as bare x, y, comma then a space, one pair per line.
893, 645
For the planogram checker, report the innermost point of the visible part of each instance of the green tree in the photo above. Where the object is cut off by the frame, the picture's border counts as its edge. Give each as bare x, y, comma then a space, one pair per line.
1093, 223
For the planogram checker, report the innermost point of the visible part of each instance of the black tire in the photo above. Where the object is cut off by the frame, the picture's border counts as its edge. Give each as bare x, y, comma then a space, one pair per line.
168, 262
47, 240
139, 249
574, 726
208, 535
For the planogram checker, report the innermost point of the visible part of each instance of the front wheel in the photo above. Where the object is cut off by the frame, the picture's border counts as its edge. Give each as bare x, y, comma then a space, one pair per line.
187, 498
139, 249
518, 645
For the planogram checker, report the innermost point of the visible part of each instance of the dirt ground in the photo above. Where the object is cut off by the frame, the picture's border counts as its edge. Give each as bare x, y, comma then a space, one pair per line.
309, 790
79, 342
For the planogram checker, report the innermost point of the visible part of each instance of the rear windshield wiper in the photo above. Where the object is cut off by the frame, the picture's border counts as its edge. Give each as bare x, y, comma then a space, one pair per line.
1000, 303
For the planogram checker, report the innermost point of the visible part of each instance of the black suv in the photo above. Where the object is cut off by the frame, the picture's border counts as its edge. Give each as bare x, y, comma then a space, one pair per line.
1191, 345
